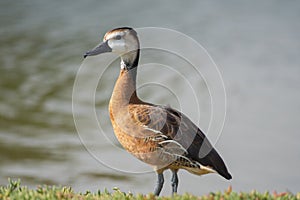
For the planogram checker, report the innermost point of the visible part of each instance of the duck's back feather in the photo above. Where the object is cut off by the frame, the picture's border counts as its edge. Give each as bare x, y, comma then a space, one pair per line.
175, 126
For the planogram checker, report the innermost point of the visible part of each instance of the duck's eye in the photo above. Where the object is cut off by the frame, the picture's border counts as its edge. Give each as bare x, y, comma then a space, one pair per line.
118, 37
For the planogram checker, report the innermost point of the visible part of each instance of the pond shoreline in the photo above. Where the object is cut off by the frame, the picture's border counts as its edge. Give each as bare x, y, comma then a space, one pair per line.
14, 190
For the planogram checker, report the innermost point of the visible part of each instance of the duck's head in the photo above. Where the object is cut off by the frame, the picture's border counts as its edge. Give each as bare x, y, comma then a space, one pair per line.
122, 41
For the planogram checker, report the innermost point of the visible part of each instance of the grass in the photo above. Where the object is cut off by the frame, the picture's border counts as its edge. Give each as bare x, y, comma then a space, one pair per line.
14, 190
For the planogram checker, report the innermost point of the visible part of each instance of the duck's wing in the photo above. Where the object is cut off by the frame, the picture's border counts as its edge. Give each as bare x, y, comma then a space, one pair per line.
175, 127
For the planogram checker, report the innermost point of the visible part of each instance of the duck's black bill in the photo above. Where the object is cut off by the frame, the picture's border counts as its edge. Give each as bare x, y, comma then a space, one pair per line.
101, 48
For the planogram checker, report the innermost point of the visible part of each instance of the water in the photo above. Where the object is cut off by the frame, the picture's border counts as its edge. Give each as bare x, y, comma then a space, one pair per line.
255, 44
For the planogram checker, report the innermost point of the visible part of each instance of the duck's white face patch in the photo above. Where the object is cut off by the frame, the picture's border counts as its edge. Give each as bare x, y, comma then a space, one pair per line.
121, 42
117, 44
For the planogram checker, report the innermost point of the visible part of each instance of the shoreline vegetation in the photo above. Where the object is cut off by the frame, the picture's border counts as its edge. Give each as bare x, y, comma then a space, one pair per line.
14, 190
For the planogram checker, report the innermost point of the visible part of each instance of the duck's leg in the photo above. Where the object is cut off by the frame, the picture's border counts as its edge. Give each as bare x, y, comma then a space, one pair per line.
174, 181
159, 184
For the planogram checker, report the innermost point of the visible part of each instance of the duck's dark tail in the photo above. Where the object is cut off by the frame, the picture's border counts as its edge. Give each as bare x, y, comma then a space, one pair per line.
218, 164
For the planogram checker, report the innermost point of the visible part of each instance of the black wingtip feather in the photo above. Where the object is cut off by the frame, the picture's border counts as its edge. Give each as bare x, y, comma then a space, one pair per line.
226, 175
218, 164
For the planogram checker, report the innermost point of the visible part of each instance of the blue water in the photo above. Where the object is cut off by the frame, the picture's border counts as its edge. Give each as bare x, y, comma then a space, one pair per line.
254, 44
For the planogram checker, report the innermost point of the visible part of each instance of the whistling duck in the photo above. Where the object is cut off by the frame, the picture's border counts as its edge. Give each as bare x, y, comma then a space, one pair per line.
157, 135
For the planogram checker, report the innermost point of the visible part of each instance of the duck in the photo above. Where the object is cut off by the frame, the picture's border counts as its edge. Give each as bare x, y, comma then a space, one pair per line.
160, 136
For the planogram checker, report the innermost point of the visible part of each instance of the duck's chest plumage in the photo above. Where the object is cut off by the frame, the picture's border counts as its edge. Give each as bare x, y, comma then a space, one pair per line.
140, 142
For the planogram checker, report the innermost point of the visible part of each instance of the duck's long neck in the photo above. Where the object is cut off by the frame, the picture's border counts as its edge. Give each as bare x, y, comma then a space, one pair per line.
125, 87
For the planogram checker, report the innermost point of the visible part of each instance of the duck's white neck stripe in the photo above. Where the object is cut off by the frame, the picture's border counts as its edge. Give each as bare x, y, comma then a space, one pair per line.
123, 64
129, 59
